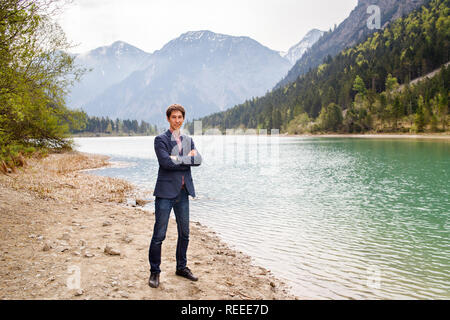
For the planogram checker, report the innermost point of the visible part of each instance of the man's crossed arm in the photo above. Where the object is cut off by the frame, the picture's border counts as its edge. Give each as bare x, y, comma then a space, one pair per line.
176, 162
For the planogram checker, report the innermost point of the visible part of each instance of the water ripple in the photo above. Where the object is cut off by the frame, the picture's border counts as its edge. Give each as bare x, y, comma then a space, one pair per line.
343, 219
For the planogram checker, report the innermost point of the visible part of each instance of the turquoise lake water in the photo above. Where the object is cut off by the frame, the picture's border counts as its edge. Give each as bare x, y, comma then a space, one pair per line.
336, 218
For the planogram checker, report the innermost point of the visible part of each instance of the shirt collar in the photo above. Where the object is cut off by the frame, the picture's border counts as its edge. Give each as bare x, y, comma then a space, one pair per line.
169, 133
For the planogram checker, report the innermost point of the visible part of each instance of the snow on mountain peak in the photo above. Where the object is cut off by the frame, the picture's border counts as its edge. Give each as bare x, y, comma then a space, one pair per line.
191, 36
297, 51
116, 49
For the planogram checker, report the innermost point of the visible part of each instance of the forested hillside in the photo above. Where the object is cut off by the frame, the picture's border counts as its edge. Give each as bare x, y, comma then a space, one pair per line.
350, 32
357, 90
105, 126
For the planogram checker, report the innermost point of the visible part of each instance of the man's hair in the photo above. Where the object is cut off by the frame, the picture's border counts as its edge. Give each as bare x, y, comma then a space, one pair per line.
175, 107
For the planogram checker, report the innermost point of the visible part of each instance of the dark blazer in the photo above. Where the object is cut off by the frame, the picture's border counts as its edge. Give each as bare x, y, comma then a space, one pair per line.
168, 184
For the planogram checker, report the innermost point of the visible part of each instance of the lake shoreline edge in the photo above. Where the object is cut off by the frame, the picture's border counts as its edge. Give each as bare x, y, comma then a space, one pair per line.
373, 136
443, 136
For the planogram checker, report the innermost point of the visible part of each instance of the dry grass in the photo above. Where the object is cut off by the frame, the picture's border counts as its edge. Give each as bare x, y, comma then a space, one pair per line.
56, 177
72, 161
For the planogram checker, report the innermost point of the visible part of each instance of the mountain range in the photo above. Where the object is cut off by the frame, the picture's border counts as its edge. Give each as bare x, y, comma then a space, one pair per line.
204, 71
108, 65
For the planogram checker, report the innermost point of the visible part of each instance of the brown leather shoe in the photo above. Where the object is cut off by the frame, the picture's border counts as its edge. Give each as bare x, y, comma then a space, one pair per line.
186, 273
153, 281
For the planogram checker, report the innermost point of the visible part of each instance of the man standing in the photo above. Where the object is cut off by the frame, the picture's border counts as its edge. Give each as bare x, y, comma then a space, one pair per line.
176, 155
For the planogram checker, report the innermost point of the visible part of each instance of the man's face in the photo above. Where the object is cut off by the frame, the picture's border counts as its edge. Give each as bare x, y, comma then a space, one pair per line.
176, 120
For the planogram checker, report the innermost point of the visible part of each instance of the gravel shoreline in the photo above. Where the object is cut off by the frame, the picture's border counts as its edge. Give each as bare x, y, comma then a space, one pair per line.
66, 234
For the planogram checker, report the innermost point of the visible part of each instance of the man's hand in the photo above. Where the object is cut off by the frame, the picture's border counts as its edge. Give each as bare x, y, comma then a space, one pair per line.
192, 153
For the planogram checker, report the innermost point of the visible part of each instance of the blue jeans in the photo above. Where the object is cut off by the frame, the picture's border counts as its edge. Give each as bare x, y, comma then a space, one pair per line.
180, 206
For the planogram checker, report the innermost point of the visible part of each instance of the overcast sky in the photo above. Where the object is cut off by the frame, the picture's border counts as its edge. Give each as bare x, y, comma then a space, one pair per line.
150, 24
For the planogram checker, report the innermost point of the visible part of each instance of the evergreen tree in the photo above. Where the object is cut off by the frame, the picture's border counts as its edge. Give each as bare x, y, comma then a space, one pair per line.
330, 118
419, 120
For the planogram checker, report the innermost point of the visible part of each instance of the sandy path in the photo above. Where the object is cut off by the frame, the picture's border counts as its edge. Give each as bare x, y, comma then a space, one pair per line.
55, 223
